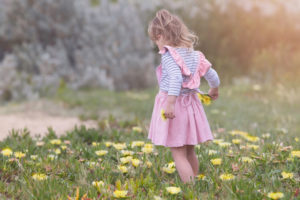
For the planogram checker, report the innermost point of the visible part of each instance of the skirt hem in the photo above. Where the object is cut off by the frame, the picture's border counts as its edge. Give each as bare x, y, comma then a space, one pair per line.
180, 145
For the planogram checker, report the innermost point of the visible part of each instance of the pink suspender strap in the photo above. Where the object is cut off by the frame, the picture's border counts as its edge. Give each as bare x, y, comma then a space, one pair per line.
158, 71
184, 69
194, 80
202, 68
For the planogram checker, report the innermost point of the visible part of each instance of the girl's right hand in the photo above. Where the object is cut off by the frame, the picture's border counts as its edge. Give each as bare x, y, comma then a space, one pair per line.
170, 110
213, 93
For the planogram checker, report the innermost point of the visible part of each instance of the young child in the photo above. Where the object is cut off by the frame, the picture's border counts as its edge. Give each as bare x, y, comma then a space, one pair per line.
179, 76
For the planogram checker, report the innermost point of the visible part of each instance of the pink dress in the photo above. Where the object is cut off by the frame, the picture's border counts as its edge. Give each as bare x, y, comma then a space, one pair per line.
190, 125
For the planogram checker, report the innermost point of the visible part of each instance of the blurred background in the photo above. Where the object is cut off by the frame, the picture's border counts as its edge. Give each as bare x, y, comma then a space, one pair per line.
94, 56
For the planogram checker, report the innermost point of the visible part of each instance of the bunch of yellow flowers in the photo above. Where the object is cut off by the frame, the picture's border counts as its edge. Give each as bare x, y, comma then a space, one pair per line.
204, 98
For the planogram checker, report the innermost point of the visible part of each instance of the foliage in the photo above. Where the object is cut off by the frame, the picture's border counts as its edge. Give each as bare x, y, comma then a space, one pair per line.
44, 42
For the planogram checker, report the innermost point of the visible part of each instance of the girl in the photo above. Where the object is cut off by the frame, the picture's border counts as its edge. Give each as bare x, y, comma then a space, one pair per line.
183, 123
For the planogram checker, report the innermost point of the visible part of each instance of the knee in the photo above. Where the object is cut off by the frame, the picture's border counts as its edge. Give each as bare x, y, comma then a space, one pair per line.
190, 150
191, 154
178, 152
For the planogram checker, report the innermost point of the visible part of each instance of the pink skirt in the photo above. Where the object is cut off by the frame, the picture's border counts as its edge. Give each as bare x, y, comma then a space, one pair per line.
189, 127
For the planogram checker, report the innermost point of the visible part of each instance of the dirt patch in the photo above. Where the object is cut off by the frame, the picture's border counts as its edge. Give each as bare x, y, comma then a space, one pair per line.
38, 123
37, 117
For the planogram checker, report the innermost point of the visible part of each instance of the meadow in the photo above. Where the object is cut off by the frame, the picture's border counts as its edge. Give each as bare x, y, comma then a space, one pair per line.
255, 153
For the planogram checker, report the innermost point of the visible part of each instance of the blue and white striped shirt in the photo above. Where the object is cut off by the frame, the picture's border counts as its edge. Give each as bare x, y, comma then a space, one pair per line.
172, 78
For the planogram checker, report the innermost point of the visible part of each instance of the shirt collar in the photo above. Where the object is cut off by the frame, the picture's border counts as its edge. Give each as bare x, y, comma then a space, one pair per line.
163, 50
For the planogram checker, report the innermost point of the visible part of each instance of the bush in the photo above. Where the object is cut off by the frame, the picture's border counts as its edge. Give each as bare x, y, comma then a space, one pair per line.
83, 43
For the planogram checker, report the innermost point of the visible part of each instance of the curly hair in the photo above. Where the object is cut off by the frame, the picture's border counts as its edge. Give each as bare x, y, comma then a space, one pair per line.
172, 29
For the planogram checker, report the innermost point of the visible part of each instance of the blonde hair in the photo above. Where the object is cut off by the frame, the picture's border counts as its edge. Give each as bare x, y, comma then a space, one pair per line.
172, 29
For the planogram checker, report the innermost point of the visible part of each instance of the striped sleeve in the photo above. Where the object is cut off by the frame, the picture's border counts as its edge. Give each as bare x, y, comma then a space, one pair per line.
174, 74
212, 78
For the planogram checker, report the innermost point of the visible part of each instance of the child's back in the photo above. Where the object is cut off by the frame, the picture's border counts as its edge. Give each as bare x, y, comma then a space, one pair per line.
172, 77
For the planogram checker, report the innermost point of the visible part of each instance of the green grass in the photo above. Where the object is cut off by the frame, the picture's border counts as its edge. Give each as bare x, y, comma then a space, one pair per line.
272, 109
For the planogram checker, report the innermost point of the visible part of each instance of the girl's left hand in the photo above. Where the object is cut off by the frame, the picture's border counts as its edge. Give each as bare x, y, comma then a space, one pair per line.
213, 93
170, 111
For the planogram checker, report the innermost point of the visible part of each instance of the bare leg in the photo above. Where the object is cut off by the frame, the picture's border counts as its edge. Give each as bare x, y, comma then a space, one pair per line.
182, 164
192, 158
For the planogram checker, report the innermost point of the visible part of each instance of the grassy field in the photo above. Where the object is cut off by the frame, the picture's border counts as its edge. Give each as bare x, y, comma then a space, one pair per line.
256, 147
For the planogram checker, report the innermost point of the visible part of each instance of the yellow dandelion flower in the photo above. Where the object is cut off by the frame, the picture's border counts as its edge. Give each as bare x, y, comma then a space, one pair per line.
173, 190
236, 141
238, 132
148, 145
295, 154
108, 144
147, 149
275, 195
137, 129
126, 159
127, 152
123, 168
55, 141
63, 147
135, 162
95, 144
137, 143
296, 139
226, 177
162, 114
6, 152
119, 146
218, 141
57, 151
252, 146
224, 144
33, 157
39, 176
252, 138
19, 154
204, 98
101, 152
171, 164
201, 177
216, 161
98, 183
120, 193
169, 170
290, 158
247, 159
245, 135
286, 175
149, 164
